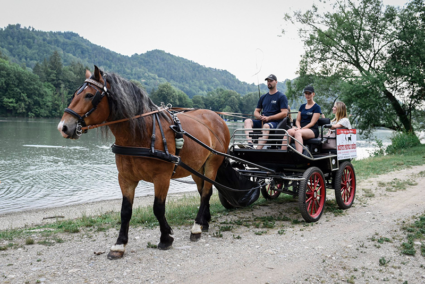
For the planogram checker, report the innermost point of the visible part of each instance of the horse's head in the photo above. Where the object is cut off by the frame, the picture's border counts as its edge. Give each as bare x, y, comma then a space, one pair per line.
89, 105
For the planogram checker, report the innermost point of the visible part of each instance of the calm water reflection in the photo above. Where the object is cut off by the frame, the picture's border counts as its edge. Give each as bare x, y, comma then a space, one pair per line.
39, 168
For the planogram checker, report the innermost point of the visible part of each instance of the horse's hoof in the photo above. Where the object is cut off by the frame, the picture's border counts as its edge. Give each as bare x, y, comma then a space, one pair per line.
195, 237
112, 255
166, 245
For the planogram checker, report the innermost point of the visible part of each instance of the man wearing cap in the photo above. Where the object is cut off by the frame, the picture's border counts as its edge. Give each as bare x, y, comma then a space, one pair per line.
274, 105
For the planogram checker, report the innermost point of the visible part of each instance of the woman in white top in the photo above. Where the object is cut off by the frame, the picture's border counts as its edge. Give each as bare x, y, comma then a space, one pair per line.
341, 119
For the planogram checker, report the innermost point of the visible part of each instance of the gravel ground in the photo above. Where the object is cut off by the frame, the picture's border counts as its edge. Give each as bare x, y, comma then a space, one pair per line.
337, 249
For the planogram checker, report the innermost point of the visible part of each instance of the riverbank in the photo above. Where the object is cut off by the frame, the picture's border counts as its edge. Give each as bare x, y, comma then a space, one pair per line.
31, 218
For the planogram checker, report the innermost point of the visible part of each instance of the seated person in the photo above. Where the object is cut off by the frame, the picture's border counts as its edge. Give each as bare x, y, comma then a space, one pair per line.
275, 108
306, 125
341, 118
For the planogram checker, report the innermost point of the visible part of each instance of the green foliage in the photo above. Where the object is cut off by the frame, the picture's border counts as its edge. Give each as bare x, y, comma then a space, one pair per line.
401, 141
31, 48
371, 54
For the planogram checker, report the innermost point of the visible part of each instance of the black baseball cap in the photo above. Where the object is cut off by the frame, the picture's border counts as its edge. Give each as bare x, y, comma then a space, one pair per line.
309, 89
271, 77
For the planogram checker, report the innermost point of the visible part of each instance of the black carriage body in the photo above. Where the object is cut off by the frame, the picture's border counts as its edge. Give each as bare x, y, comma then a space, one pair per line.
306, 175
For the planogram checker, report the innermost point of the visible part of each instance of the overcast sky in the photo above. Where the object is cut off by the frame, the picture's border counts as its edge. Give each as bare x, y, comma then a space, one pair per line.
240, 36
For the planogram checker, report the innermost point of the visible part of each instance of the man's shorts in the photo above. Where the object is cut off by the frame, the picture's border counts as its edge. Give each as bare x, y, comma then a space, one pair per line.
259, 124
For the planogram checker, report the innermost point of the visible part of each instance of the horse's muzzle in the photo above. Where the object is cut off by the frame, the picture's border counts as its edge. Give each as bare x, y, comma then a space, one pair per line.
68, 130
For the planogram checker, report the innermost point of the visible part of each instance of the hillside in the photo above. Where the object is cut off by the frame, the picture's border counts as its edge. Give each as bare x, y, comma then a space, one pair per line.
27, 46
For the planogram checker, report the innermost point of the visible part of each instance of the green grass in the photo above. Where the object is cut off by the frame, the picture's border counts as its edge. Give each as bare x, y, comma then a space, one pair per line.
379, 165
414, 231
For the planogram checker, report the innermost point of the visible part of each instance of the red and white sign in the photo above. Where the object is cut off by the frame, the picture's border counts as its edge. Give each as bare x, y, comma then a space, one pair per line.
346, 143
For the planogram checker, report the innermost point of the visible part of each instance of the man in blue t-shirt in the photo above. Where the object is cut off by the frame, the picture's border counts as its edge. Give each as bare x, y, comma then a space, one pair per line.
275, 108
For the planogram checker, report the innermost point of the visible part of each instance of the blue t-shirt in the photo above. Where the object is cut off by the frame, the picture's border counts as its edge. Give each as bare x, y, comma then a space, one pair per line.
272, 104
307, 115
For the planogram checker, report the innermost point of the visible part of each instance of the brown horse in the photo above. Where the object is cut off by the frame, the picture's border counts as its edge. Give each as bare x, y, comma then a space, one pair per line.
98, 101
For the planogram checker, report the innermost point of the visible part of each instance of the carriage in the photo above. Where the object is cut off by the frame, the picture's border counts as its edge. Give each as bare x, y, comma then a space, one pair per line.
324, 164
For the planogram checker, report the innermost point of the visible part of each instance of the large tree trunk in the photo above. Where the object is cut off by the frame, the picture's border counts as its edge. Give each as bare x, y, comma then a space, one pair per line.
407, 124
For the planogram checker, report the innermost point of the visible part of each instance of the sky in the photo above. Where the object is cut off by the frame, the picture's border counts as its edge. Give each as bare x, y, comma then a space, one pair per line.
241, 36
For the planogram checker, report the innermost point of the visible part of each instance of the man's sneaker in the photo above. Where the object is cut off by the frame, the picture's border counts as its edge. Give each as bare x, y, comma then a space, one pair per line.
250, 145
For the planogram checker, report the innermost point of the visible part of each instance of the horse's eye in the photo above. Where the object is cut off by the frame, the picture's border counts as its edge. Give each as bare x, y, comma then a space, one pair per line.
89, 96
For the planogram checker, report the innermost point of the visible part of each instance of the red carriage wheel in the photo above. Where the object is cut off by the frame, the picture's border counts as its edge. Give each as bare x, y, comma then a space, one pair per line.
312, 194
268, 191
345, 185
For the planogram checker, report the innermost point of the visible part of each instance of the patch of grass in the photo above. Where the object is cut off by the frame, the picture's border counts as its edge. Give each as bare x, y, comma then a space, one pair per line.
217, 234
332, 206
281, 232
383, 239
373, 166
414, 231
237, 237
226, 228
150, 245
368, 193
46, 243
383, 261
29, 241
259, 233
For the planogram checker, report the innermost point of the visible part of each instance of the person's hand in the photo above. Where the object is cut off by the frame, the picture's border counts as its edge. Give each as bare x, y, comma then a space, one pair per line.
264, 118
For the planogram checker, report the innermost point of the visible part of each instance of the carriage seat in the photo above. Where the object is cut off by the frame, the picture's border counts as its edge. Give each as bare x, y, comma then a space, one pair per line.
319, 140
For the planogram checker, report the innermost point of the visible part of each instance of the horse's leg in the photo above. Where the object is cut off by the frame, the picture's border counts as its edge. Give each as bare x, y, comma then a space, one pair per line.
127, 189
204, 215
200, 184
161, 185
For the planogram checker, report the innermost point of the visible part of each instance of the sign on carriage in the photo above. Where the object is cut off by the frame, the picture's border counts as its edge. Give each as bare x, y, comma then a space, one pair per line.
346, 143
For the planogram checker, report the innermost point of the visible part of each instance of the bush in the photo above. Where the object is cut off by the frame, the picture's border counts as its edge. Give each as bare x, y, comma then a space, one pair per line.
401, 141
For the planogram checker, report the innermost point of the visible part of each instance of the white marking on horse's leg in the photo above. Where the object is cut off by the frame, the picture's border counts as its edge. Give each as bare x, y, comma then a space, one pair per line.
118, 248
196, 229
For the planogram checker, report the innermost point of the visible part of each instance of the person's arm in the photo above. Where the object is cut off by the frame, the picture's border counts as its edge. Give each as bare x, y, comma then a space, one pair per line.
313, 121
257, 114
298, 121
336, 126
342, 123
279, 116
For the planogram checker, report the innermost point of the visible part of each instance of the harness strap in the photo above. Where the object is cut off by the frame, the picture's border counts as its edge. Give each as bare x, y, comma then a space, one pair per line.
145, 152
164, 141
153, 133
177, 128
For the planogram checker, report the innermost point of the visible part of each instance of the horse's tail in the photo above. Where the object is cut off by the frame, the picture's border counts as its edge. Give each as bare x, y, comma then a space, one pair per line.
244, 193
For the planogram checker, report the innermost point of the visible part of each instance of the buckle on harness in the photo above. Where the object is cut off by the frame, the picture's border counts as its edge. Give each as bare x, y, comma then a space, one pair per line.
78, 129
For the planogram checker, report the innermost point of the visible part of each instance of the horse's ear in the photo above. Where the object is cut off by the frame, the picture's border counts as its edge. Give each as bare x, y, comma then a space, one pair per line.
88, 74
98, 74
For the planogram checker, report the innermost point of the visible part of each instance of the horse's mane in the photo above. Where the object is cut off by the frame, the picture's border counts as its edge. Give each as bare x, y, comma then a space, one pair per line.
126, 100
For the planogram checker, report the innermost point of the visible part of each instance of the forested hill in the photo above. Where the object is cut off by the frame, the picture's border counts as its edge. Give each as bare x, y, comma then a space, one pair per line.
27, 46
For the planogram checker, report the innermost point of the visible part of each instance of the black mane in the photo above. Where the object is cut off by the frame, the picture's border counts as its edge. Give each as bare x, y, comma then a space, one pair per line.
126, 100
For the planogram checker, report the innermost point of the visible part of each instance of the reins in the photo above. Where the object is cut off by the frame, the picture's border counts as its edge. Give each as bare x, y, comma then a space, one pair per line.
121, 120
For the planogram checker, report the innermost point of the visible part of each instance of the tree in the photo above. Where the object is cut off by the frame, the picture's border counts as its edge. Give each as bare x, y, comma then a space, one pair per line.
360, 43
165, 94
198, 101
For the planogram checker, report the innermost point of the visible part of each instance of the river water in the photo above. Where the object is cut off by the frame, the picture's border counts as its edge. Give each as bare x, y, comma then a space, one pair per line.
40, 169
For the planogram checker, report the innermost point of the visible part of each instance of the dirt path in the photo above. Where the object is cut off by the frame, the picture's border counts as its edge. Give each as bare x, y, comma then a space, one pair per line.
338, 248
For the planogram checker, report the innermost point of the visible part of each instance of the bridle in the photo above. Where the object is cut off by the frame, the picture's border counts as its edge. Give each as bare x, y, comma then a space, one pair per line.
95, 102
